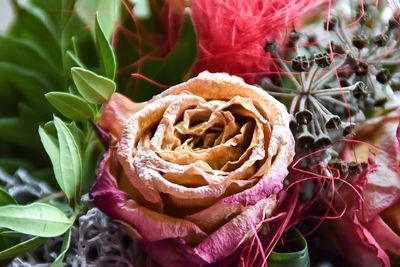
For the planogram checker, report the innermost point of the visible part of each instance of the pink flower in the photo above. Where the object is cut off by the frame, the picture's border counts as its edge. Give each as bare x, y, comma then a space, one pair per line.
232, 33
193, 171
370, 230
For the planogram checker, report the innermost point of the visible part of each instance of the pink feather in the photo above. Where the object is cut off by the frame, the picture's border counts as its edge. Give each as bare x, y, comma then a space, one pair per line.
232, 33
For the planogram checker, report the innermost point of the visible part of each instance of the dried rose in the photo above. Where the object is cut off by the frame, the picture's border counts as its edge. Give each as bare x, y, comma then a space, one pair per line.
370, 228
196, 169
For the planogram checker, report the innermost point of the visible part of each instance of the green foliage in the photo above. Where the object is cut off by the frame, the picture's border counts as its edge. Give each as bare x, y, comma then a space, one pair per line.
57, 59
94, 88
65, 156
107, 58
47, 39
64, 248
293, 254
168, 69
38, 219
5, 198
71, 106
21, 248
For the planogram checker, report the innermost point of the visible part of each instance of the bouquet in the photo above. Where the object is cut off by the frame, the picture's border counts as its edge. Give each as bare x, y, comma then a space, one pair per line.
200, 133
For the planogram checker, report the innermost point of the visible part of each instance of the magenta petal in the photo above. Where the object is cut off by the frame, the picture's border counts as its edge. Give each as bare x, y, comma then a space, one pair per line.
231, 235
384, 235
355, 239
172, 253
148, 224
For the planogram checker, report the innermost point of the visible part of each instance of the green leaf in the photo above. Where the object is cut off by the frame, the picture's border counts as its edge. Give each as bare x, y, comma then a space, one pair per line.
70, 160
293, 254
36, 26
38, 219
173, 69
107, 57
94, 88
16, 131
21, 248
77, 133
29, 84
71, 106
64, 248
51, 146
29, 56
90, 157
65, 157
109, 12
6, 198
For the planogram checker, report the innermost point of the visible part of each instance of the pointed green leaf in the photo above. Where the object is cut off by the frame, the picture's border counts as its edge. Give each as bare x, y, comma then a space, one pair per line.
21, 248
293, 254
90, 157
38, 219
71, 106
76, 133
64, 248
70, 160
94, 88
6, 198
107, 57
109, 12
51, 146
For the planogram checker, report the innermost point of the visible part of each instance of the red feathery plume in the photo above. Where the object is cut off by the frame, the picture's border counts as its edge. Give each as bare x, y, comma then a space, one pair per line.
232, 33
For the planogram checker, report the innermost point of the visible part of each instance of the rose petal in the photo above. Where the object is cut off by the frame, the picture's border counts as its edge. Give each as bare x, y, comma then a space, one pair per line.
355, 239
115, 113
385, 236
150, 225
231, 235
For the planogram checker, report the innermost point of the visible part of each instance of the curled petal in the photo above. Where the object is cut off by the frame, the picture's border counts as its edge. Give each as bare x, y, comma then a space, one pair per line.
115, 113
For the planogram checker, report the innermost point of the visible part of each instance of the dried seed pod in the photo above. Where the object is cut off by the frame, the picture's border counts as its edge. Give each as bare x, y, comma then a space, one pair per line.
381, 40
332, 23
304, 117
347, 130
351, 60
305, 139
383, 76
300, 63
322, 140
333, 122
323, 60
361, 69
340, 165
393, 23
354, 167
360, 41
360, 90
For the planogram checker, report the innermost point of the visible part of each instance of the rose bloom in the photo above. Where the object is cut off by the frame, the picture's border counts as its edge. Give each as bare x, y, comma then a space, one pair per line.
196, 169
369, 233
